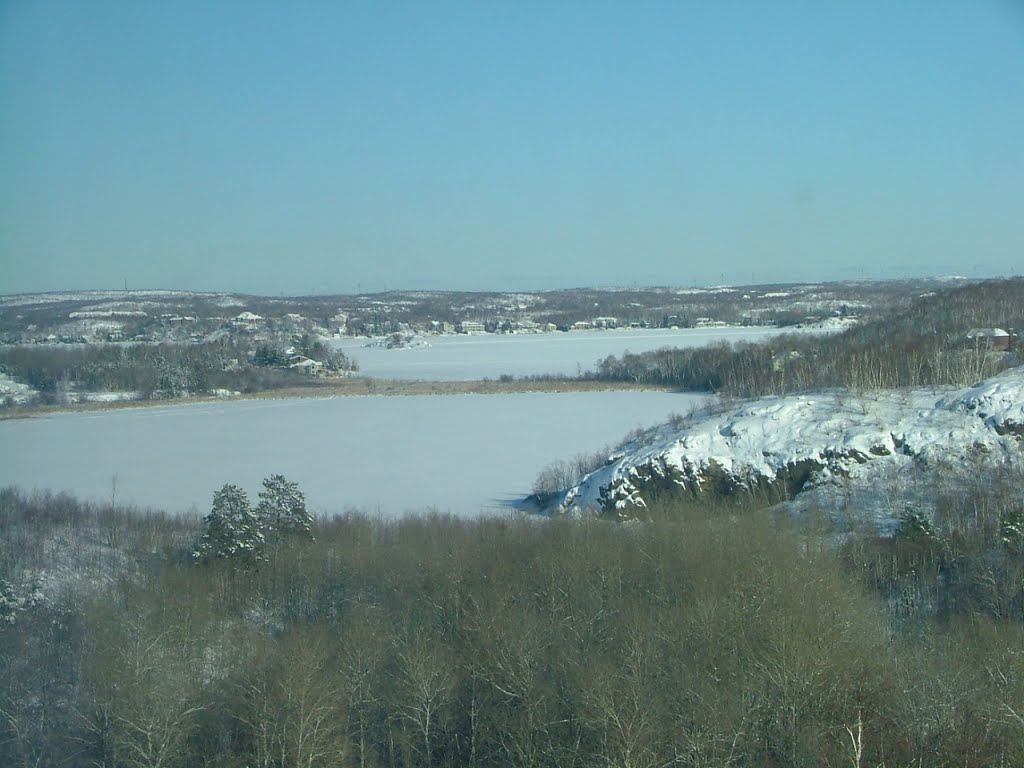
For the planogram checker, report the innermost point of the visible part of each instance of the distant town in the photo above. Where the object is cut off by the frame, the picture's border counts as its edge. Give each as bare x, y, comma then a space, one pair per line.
113, 346
147, 316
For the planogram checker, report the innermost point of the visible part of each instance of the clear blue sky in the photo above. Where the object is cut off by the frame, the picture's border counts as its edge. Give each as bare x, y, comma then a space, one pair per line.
297, 147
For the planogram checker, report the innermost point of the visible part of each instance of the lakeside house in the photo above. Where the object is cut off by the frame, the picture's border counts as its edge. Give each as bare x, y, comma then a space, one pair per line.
303, 364
992, 338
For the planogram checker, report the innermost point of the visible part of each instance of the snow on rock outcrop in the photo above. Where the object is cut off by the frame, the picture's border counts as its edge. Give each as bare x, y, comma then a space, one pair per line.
786, 446
999, 401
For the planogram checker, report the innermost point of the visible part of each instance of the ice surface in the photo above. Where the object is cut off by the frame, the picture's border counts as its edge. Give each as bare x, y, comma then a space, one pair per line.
467, 357
462, 453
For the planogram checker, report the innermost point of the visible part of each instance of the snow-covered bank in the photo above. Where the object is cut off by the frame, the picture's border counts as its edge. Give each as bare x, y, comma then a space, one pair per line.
806, 444
14, 392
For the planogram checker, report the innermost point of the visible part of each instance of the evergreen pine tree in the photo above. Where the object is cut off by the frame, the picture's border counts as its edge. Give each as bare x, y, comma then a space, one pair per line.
282, 508
1011, 527
915, 526
233, 528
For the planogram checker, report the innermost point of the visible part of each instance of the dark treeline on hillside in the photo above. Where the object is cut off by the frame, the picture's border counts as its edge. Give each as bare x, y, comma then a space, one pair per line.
715, 639
922, 344
157, 370
397, 311
145, 369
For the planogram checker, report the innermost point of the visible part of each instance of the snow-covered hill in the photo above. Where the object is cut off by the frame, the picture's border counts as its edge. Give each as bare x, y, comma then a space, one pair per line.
817, 446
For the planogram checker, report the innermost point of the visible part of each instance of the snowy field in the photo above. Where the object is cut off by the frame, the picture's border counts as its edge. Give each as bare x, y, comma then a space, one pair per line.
462, 454
463, 357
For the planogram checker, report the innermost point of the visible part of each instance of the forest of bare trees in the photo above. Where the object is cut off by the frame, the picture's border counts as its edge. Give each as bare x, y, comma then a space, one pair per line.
922, 344
715, 637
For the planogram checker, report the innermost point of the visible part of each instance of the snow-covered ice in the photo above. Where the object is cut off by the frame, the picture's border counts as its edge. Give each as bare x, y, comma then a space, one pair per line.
460, 453
468, 357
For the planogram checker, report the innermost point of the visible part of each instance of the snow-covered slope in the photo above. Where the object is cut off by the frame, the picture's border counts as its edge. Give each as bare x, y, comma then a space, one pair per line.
793, 446
999, 401
16, 391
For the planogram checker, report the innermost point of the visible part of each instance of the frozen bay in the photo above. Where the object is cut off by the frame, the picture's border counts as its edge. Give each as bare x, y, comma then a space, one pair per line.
466, 357
461, 454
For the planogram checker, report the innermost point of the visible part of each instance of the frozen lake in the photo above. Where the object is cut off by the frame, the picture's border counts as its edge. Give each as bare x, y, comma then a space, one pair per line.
462, 357
461, 454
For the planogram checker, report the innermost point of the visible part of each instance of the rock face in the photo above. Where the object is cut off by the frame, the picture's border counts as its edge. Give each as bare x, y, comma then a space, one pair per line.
786, 446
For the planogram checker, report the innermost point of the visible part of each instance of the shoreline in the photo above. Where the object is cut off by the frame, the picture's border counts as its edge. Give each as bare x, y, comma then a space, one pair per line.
348, 387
